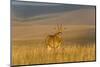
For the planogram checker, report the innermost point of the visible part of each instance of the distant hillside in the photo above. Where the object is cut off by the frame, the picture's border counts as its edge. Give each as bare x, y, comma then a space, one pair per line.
26, 9
81, 16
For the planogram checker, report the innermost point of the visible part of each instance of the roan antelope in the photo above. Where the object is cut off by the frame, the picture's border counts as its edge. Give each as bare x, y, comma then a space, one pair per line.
54, 41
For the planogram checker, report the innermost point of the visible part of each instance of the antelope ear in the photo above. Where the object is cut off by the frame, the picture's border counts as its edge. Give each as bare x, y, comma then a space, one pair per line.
61, 27
58, 27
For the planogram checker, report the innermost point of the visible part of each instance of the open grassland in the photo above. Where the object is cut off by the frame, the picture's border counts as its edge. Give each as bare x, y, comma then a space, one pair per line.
28, 38
28, 44
28, 54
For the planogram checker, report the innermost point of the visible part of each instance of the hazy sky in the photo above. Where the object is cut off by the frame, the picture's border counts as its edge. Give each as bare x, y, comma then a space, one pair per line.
30, 9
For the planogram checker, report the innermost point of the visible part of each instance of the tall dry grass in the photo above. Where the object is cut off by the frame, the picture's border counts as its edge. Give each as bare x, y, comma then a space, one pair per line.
28, 54
29, 48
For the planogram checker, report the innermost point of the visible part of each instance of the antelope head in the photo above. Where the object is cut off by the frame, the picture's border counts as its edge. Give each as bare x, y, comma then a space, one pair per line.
59, 30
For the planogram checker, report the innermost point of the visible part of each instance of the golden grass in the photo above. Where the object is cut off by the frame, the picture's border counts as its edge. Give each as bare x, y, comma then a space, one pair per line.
28, 46
28, 54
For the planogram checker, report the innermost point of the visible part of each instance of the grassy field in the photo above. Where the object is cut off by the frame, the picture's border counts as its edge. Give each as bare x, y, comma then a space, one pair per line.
29, 34
29, 48
29, 54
